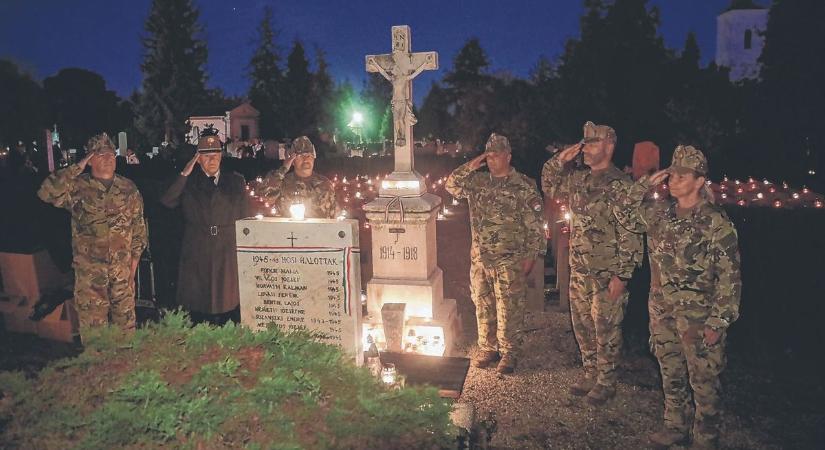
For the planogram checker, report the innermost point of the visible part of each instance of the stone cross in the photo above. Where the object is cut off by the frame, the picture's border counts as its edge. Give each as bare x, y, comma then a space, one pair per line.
400, 67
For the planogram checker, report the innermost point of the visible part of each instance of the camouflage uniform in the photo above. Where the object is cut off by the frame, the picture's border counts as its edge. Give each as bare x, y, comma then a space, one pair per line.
506, 225
108, 233
695, 283
600, 249
282, 189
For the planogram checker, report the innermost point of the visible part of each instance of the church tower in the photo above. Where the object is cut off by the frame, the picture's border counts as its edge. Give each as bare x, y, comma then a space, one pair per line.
739, 38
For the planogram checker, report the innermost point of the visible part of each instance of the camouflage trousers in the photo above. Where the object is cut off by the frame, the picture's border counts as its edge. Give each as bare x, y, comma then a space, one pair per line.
499, 294
687, 364
597, 324
104, 294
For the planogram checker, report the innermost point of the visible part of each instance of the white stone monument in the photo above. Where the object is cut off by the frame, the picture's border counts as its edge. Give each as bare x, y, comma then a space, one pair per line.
402, 220
302, 275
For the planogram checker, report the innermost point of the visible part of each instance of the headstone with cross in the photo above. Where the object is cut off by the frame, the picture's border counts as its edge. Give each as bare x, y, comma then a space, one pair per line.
302, 275
402, 219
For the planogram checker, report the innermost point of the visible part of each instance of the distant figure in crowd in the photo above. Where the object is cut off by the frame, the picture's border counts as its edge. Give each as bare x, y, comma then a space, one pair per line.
212, 201
695, 290
603, 255
283, 189
507, 236
108, 235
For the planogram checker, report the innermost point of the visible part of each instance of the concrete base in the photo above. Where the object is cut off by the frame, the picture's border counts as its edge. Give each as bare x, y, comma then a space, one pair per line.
421, 296
446, 317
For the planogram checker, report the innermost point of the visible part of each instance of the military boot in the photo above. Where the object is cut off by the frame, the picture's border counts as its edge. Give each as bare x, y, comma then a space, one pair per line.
667, 437
507, 364
485, 358
583, 386
600, 394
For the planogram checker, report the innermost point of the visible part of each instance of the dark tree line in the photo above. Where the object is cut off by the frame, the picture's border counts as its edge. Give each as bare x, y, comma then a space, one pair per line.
617, 71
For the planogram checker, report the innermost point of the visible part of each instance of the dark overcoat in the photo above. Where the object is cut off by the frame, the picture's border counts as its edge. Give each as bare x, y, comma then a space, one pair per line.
208, 269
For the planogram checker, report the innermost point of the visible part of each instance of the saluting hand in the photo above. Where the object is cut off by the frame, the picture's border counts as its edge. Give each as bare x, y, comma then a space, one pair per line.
478, 161
288, 162
187, 170
85, 160
569, 153
659, 177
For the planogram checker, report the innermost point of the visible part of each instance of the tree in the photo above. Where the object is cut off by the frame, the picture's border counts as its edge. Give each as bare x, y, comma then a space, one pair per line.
322, 92
81, 106
435, 120
267, 80
613, 74
298, 120
23, 106
376, 97
792, 91
470, 91
174, 78
702, 106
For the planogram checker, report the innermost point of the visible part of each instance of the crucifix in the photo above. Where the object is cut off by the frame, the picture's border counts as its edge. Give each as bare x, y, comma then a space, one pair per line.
399, 68
292, 238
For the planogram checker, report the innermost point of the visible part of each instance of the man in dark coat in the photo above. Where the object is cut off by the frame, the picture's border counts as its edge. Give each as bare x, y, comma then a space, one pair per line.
212, 201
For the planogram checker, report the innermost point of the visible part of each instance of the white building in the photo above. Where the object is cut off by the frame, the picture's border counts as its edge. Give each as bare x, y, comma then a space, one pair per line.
740, 39
239, 124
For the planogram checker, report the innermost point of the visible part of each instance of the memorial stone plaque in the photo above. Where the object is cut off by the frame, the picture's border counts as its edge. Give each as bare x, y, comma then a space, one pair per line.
302, 275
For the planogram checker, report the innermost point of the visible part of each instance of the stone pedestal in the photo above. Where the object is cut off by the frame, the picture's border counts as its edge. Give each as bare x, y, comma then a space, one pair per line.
404, 259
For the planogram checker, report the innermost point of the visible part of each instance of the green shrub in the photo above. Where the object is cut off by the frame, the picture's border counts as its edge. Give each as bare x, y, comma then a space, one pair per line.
172, 385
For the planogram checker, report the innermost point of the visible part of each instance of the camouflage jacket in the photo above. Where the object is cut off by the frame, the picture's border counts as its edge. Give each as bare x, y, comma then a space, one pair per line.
107, 224
505, 215
283, 189
599, 245
694, 260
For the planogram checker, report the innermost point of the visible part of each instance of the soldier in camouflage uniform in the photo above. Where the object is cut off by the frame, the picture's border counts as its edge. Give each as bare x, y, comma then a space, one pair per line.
694, 293
603, 255
507, 236
314, 191
108, 234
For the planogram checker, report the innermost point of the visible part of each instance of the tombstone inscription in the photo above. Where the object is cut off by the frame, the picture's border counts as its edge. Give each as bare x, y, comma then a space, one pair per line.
302, 275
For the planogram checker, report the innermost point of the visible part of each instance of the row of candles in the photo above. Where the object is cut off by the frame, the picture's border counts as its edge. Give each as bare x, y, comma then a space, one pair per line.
352, 193
754, 192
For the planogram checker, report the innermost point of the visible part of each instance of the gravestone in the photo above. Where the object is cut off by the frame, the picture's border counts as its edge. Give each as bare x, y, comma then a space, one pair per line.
403, 217
302, 275
122, 144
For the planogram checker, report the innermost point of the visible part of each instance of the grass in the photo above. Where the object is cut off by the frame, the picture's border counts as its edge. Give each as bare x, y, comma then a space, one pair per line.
172, 385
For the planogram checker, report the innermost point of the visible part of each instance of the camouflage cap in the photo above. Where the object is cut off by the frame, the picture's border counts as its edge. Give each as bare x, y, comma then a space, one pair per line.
302, 145
690, 158
100, 143
497, 143
209, 142
594, 133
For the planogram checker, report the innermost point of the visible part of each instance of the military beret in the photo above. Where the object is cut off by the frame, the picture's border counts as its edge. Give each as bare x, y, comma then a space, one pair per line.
691, 158
302, 145
594, 133
100, 143
497, 143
